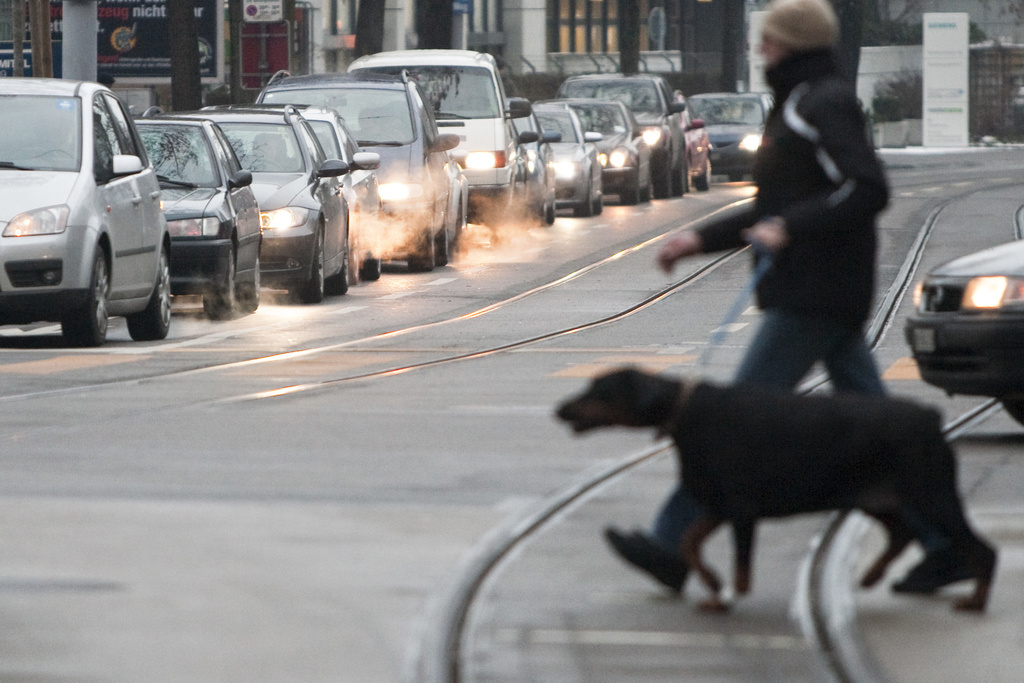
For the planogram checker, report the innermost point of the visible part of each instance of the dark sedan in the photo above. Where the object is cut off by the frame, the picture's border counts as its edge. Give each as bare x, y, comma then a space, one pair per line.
211, 213
624, 155
967, 331
734, 123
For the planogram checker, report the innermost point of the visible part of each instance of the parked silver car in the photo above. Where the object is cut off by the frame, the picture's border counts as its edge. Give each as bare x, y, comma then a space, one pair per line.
577, 167
82, 236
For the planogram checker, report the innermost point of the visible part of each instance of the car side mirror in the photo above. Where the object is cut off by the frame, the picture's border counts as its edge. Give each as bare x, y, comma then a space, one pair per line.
126, 164
444, 142
551, 136
676, 107
332, 168
366, 161
592, 136
528, 136
695, 124
519, 107
241, 179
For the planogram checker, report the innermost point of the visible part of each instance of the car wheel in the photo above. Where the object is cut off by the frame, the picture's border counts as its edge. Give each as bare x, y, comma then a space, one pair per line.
154, 321
423, 262
1015, 407
645, 193
219, 302
549, 213
442, 247
703, 181
630, 194
88, 326
370, 270
663, 184
312, 290
586, 207
683, 178
598, 204
249, 292
338, 283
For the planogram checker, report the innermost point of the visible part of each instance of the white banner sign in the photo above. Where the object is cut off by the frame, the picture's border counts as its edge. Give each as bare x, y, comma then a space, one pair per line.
263, 11
946, 61
754, 57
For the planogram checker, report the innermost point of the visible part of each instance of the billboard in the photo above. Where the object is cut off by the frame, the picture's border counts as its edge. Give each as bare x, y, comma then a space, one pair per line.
946, 65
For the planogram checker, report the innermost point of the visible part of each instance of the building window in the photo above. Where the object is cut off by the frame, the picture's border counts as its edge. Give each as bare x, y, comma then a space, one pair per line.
589, 25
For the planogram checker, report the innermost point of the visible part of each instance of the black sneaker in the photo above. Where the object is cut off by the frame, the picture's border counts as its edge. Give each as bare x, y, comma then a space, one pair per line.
644, 553
938, 568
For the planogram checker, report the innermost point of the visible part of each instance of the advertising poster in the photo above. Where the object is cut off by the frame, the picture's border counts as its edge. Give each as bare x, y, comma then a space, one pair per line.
133, 43
946, 62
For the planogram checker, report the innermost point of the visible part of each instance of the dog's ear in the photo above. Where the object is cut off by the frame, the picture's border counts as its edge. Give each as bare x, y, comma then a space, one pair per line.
648, 397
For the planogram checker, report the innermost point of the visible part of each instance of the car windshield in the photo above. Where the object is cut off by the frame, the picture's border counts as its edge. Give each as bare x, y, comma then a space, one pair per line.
41, 133
606, 119
328, 138
560, 122
745, 111
640, 97
455, 92
264, 147
179, 154
374, 116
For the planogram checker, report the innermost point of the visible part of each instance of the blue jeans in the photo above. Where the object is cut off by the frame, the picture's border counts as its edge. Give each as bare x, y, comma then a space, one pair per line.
784, 349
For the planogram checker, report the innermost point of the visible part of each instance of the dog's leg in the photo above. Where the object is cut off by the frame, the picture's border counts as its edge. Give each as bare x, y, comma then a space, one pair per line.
743, 544
900, 536
692, 542
983, 558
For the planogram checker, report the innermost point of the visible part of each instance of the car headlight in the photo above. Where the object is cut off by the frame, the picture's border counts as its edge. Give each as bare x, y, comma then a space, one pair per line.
618, 158
194, 227
603, 158
481, 161
398, 192
51, 220
987, 293
652, 136
566, 169
289, 217
751, 142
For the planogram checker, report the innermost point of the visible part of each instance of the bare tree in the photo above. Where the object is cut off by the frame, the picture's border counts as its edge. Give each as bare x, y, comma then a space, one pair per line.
434, 24
629, 36
42, 44
18, 30
370, 27
186, 85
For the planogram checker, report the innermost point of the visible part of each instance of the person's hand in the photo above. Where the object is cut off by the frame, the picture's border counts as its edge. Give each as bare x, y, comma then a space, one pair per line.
687, 243
769, 233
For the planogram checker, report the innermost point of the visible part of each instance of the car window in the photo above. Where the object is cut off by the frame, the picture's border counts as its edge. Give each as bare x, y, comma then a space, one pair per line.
43, 133
525, 123
180, 154
312, 144
230, 158
328, 137
560, 122
729, 110
640, 97
455, 92
122, 127
105, 140
374, 115
264, 147
606, 119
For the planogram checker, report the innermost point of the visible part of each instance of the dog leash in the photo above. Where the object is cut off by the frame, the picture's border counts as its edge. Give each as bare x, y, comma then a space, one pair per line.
764, 262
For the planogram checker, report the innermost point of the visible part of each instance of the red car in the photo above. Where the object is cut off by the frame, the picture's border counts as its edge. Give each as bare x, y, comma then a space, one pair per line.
698, 147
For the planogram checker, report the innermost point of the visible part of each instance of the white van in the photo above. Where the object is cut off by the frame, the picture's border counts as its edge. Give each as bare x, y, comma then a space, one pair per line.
468, 99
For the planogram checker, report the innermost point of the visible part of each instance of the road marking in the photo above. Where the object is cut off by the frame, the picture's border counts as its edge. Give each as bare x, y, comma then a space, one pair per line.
731, 327
441, 281
397, 295
52, 366
347, 309
903, 369
653, 639
323, 365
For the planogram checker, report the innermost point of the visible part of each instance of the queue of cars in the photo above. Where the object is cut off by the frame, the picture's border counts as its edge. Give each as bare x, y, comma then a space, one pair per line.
312, 188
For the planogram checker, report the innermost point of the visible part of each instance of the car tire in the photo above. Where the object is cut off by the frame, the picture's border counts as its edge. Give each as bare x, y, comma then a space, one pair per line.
88, 325
681, 180
598, 204
338, 283
442, 247
220, 302
703, 181
1015, 407
312, 290
423, 262
549, 213
248, 295
663, 184
370, 270
586, 207
630, 195
154, 321
646, 192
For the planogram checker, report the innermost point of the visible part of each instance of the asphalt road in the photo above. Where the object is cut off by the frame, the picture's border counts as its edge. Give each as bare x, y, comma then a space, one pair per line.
287, 496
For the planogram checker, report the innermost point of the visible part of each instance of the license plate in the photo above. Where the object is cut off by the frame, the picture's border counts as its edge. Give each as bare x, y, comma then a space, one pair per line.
924, 340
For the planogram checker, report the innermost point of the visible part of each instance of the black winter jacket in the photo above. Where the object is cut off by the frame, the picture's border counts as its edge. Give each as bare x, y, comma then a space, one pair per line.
817, 170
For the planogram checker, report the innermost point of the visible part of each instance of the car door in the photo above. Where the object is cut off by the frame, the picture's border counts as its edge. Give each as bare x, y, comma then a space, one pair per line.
328, 193
121, 204
242, 202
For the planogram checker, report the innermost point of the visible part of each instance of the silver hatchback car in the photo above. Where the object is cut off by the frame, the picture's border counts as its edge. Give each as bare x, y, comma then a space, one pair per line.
82, 236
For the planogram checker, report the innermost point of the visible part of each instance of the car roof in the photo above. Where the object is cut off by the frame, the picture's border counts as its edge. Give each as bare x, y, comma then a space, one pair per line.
614, 77
56, 87
357, 79
730, 95
426, 58
253, 113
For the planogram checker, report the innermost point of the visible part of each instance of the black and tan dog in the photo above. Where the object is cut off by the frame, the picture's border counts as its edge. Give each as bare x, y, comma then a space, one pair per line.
746, 454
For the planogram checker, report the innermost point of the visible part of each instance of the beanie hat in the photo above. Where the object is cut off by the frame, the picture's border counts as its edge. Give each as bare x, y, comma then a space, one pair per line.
801, 25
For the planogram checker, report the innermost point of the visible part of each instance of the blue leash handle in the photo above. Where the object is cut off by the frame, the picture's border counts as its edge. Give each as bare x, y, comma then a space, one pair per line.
764, 262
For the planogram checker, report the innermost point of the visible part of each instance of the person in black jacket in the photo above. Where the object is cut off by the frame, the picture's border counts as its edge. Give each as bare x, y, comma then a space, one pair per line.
820, 187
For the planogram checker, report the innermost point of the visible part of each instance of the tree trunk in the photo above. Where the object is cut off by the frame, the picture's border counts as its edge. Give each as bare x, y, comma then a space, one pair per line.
370, 27
186, 86
434, 24
42, 44
235, 27
851, 28
18, 30
732, 40
629, 36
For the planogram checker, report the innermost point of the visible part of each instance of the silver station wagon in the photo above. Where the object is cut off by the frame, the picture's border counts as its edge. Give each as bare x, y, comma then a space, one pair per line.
82, 236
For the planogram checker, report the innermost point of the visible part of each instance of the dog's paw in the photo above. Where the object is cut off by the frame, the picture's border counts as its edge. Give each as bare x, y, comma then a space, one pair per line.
714, 605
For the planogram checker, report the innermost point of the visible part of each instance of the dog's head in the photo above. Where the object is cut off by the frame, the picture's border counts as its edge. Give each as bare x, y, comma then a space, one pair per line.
622, 398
